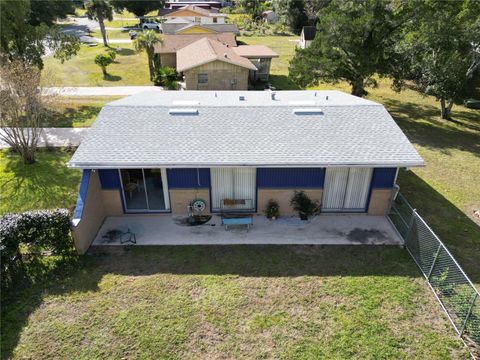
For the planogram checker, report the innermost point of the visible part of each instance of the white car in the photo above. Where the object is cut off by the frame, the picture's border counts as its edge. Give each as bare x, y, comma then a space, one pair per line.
150, 24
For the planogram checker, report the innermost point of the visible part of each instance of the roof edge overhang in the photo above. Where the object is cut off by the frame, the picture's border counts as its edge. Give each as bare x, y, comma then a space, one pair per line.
406, 164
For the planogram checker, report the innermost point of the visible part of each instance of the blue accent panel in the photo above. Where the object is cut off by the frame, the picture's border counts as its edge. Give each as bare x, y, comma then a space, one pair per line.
82, 194
109, 178
188, 178
290, 177
383, 177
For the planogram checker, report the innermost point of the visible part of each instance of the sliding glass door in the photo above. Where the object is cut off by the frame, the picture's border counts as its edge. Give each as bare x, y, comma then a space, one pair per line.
145, 190
346, 189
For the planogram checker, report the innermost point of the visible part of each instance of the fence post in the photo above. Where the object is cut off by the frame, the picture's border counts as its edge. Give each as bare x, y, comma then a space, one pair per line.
434, 261
468, 313
410, 225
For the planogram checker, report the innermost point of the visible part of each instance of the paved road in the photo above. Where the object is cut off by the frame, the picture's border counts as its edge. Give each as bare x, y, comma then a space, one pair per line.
56, 137
100, 90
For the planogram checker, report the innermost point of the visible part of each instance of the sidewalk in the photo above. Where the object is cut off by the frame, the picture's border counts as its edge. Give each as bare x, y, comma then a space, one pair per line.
99, 90
56, 137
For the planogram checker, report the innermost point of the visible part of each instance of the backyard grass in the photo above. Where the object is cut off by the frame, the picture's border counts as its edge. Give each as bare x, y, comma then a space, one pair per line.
111, 35
76, 111
129, 68
234, 302
46, 184
445, 191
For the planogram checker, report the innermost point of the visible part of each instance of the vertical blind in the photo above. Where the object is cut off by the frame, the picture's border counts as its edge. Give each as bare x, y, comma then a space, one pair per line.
346, 188
233, 184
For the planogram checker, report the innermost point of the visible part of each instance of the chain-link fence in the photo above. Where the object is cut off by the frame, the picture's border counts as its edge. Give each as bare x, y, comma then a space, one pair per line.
454, 290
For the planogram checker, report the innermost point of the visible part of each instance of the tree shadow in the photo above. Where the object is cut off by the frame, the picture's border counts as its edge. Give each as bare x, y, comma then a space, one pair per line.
70, 115
459, 232
283, 82
423, 126
125, 52
110, 77
44, 179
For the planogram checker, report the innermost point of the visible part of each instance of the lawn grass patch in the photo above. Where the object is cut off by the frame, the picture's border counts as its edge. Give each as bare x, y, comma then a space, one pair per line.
46, 184
243, 302
129, 68
111, 35
76, 111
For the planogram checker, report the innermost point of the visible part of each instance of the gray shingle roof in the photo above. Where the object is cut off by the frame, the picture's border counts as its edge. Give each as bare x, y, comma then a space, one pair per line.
139, 131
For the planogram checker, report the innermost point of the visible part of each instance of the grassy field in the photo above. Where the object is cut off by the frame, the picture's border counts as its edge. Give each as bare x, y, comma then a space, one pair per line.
268, 302
76, 111
44, 185
130, 68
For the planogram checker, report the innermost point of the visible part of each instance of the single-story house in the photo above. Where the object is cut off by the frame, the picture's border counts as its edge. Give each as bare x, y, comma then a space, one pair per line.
155, 153
209, 65
307, 36
181, 26
197, 14
269, 16
170, 6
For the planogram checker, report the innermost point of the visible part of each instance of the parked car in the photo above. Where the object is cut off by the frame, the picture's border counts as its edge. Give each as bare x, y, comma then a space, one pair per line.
472, 103
150, 24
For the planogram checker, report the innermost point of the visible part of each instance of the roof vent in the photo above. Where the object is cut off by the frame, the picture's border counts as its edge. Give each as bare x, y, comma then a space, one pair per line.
225, 55
241, 98
273, 93
183, 111
186, 102
308, 111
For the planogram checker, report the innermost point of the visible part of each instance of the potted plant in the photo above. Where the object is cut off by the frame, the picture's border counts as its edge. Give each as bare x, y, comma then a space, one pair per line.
305, 206
272, 209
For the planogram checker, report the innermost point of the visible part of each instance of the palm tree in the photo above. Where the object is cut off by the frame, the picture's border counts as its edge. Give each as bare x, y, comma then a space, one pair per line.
100, 10
146, 40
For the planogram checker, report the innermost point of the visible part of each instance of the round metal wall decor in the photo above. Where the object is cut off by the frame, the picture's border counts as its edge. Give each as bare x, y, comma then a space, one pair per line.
199, 205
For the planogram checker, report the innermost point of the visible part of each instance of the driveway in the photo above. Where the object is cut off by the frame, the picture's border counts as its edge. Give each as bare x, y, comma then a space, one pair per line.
56, 137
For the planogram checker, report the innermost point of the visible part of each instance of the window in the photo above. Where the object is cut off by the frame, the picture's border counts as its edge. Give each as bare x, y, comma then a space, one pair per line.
214, 20
203, 78
145, 189
233, 188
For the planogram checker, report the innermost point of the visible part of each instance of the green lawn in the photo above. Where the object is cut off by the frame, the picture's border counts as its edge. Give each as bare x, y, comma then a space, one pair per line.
111, 34
446, 191
274, 302
44, 185
76, 111
130, 68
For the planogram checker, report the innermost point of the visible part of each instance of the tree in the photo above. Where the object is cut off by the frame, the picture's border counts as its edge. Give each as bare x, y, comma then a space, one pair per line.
138, 7
22, 108
100, 10
441, 47
253, 7
27, 32
292, 13
145, 41
355, 41
103, 60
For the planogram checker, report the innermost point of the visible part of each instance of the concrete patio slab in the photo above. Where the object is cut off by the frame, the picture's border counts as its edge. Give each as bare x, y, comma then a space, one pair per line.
321, 230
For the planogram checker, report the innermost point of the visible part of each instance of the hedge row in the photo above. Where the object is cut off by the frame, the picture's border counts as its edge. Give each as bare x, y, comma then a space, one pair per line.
47, 230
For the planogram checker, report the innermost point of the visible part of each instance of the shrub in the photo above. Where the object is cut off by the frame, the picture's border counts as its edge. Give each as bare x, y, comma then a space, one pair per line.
103, 60
167, 77
305, 206
112, 53
35, 230
272, 209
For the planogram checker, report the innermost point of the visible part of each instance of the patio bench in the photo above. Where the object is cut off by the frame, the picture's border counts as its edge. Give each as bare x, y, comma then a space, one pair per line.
237, 221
